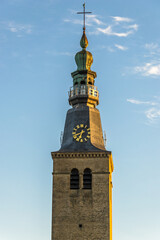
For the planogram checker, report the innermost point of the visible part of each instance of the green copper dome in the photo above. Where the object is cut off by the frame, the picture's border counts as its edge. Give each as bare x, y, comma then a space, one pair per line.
84, 58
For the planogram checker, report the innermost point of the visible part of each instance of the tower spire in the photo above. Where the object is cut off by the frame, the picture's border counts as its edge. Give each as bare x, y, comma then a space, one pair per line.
84, 16
84, 92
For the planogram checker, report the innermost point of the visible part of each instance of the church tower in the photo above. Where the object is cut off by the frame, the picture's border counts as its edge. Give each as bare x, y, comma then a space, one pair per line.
82, 168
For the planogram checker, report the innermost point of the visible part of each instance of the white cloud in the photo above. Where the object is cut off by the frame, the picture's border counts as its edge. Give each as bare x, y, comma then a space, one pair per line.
115, 28
134, 26
110, 32
154, 70
94, 19
107, 30
120, 47
90, 20
149, 69
122, 19
138, 102
122, 24
152, 113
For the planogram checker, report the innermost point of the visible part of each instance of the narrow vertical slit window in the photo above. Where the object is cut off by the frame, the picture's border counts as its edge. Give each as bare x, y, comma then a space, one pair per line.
87, 179
74, 179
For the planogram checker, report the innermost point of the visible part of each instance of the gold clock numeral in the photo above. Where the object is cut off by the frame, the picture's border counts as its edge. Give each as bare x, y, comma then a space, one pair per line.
81, 140
88, 136
81, 125
85, 126
78, 126
77, 139
85, 139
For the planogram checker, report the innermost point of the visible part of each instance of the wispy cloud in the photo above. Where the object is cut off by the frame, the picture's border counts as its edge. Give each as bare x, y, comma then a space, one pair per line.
121, 23
134, 27
120, 47
122, 19
138, 102
94, 19
109, 31
114, 47
91, 20
152, 112
153, 49
116, 26
149, 69
151, 46
17, 27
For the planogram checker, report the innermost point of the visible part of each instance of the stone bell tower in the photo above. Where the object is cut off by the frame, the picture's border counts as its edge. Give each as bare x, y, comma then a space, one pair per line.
82, 168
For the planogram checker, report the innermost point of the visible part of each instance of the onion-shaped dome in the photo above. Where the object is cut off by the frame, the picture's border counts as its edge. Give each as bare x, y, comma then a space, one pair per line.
84, 58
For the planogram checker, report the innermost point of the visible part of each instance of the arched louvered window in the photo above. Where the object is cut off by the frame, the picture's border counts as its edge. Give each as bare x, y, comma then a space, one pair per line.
74, 179
87, 179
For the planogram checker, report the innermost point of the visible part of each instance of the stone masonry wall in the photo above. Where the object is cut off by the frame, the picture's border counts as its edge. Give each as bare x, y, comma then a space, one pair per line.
81, 214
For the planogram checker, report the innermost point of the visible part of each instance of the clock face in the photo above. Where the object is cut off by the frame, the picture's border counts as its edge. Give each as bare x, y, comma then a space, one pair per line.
81, 133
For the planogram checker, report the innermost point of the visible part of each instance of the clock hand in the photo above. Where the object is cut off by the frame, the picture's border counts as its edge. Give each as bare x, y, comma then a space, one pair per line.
79, 133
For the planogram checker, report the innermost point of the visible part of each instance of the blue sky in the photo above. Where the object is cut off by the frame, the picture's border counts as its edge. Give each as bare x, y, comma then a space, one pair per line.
38, 41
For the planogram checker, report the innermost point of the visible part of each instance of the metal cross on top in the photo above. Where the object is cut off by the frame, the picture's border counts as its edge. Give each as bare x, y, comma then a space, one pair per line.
84, 16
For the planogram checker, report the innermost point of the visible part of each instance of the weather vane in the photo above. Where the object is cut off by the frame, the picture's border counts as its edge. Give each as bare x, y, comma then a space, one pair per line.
84, 16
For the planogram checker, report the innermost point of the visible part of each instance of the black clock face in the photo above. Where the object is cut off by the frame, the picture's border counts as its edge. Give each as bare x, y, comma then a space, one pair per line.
81, 133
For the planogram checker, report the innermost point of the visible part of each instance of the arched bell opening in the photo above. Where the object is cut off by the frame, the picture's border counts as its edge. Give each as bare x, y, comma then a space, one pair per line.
87, 179
74, 179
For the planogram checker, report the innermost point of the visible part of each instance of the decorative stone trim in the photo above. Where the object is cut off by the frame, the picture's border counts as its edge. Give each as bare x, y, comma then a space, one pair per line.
80, 155
68, 173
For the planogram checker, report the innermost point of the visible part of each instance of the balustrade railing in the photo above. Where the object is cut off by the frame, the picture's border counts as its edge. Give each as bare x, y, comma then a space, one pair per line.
83, 90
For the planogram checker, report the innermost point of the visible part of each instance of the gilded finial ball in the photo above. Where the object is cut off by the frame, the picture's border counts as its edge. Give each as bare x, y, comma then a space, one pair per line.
84, 41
